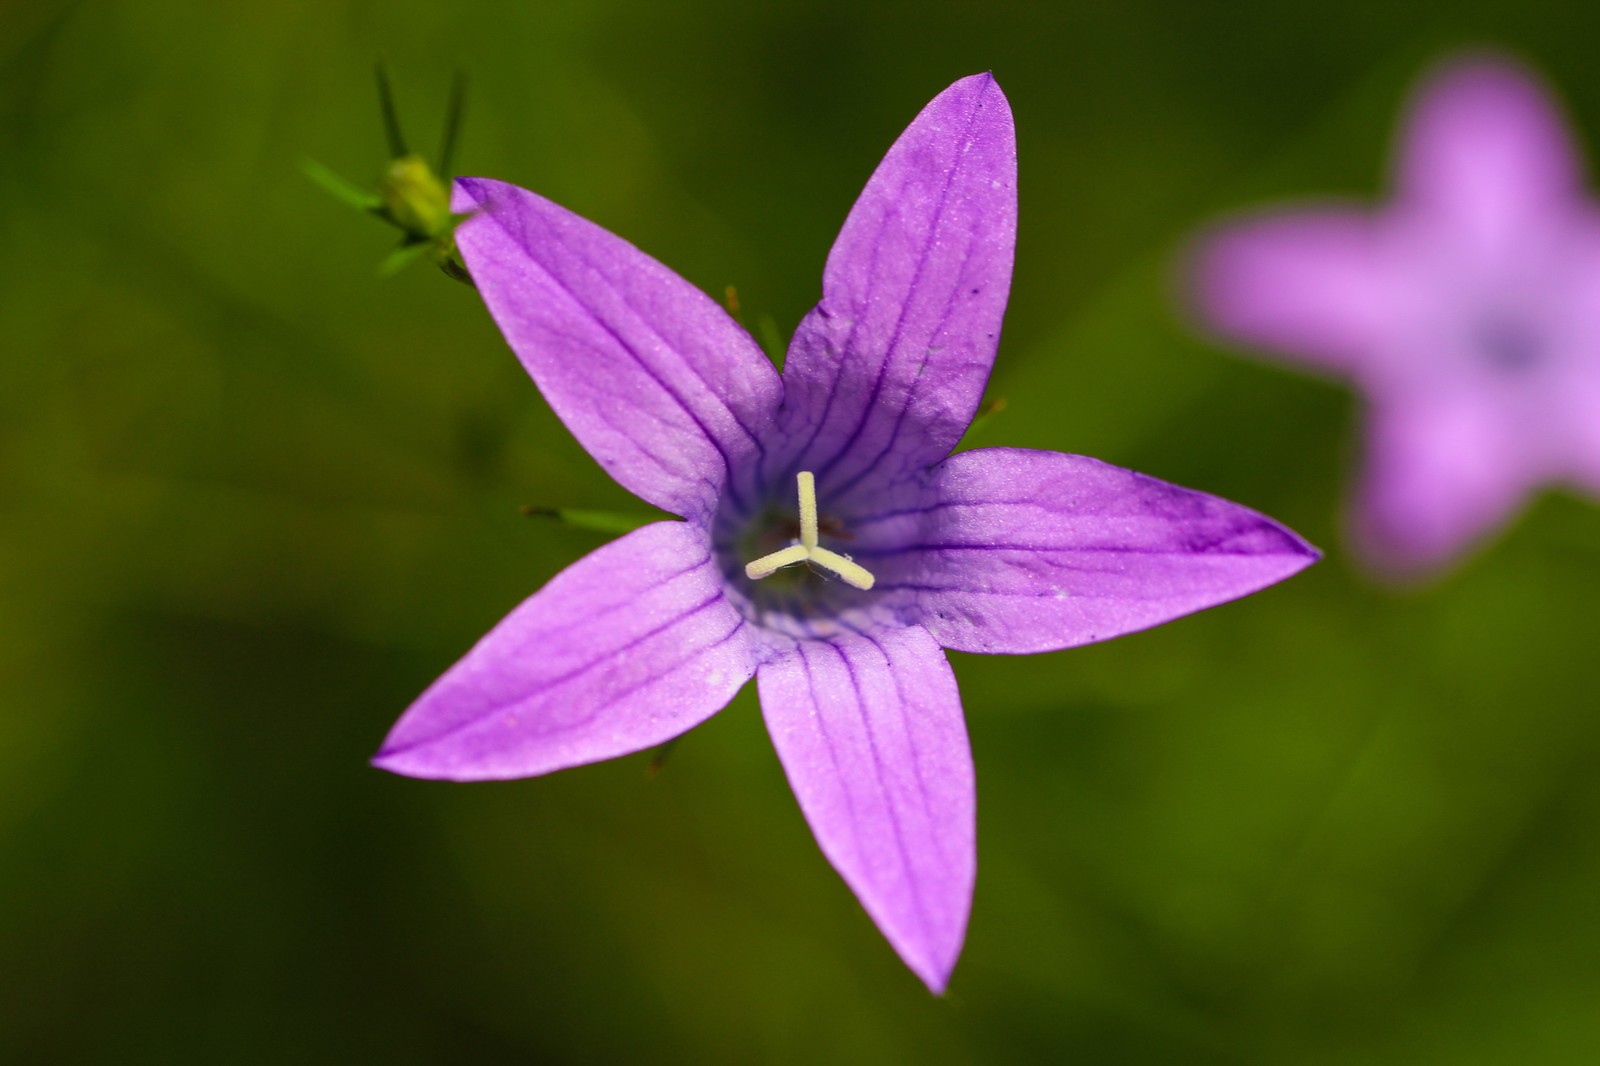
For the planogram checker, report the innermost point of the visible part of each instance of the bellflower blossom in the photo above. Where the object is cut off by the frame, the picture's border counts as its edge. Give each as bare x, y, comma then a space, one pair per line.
1467, 310
831, 545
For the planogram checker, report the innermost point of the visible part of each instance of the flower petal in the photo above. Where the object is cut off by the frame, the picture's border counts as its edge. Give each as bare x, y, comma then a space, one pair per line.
1576, 405
628, 647
1027, 551
870, 733
1572, 430
1444, 468
1313, 283
884, 375
664, 389
1485, 148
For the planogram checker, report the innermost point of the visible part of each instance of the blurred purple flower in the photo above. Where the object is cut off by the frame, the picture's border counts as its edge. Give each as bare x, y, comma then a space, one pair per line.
1467, 309
831, 544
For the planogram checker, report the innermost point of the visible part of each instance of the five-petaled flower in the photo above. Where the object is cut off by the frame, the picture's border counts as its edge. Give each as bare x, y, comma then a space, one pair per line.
1467, 309
831, 544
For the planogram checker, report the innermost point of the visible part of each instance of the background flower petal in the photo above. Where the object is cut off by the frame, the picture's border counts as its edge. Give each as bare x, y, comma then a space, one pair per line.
626, 648
1485, 149
1028, 551
1582, 398
664, 389
1444, 468
870, 733
1575, 395
884, 375
1313, 284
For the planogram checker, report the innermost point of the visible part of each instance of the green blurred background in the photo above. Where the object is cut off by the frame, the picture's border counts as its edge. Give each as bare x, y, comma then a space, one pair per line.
253, 498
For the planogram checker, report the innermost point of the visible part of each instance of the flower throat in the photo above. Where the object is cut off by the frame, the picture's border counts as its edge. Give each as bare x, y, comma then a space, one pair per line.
808, 550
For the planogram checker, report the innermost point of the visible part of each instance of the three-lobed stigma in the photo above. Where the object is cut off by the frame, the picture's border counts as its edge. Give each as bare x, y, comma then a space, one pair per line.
808, 550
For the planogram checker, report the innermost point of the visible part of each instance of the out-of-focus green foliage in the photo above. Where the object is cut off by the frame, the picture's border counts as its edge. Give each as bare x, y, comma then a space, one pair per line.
254, 498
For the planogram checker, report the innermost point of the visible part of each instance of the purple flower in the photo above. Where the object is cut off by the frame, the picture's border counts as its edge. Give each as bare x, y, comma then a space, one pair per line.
1467, 309
831, 544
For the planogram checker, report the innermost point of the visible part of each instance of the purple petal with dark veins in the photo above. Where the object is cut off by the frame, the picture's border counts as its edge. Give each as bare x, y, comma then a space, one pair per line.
1027, 551
628, 647
666, 391
884, 375
870, 733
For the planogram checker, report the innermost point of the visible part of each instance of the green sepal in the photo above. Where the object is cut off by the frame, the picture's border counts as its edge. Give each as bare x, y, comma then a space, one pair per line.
403, 256
986, 411
361, 199
613, 522
770, 339
658, 758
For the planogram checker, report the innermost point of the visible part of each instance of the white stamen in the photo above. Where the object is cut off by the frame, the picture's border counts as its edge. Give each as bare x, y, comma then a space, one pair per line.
767, 565
853, 573
808, 550
808, 509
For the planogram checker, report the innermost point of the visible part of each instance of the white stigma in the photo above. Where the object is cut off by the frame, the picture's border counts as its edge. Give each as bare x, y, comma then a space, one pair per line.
808, 550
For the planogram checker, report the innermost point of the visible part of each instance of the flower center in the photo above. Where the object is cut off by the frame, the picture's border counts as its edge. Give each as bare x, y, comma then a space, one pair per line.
1509, 344
807, 550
